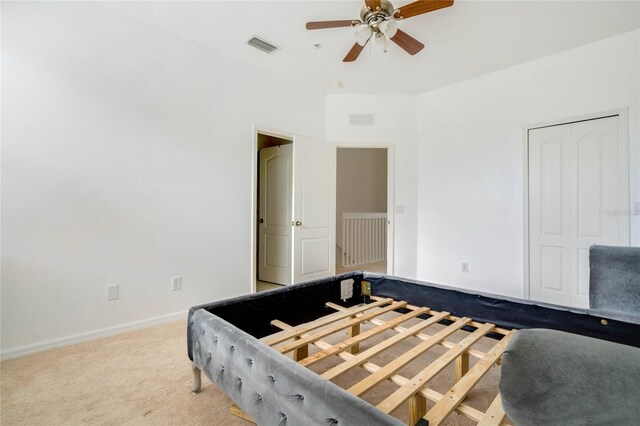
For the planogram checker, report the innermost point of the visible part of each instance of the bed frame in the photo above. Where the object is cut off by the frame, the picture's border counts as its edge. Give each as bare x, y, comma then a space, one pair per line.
273, 332
296, 340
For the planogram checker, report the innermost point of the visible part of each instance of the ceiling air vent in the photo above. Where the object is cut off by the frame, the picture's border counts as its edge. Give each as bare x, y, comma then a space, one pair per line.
260, 44
361, 119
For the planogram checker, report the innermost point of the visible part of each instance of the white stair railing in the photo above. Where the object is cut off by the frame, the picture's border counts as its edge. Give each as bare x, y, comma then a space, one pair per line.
364, 238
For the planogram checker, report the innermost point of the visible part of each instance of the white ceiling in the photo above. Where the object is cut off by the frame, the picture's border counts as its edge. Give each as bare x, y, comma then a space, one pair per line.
471, 38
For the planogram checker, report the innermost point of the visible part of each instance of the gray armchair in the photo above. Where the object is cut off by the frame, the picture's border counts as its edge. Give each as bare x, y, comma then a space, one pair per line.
556, 378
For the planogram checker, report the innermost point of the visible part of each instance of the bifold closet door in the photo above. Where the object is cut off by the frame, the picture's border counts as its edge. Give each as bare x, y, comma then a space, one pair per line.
576, 199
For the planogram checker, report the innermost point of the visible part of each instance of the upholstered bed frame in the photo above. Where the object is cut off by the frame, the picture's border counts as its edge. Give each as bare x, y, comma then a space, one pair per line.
235, 343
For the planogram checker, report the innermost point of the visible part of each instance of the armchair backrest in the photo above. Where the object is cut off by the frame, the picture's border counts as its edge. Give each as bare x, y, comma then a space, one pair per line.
614, 281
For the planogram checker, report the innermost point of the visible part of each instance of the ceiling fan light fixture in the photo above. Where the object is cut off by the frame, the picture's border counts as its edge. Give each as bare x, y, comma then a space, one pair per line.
363, 35
381, 43
388, 28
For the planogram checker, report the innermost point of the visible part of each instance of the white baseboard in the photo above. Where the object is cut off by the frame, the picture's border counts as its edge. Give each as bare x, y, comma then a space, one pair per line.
90, 335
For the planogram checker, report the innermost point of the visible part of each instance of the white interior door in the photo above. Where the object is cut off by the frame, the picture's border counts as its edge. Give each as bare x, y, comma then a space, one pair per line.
274, 208
313, 209
576, 199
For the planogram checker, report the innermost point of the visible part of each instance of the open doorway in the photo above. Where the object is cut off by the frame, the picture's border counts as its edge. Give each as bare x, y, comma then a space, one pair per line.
302, 245
274, 204
362, 201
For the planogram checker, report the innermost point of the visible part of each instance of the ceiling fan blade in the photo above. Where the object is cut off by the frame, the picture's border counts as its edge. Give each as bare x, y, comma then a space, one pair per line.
319, 25
373, 4
408, 43
354, 52
422, 6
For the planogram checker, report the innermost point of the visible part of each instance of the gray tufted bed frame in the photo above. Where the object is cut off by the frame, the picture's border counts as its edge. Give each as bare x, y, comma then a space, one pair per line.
590, 376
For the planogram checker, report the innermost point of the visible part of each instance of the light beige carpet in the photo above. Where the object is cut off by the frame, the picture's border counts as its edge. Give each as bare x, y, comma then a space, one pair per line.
144, 377
141, 377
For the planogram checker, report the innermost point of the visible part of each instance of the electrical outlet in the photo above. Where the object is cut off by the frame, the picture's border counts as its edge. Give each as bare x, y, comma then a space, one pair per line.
113, 292
176, 283
464, 267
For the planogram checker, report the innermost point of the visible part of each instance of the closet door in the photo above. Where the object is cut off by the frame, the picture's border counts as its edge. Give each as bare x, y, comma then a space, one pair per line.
576, 199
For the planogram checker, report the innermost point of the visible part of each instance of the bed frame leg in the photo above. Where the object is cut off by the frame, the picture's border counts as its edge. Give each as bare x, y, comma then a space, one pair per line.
462, 365
417, 408
300, 353
197, 379
354, 331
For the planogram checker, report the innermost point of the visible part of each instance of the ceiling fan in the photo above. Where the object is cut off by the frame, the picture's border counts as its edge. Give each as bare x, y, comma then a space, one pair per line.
379, 20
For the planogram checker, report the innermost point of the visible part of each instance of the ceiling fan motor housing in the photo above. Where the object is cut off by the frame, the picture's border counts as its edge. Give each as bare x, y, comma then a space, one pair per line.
374, 17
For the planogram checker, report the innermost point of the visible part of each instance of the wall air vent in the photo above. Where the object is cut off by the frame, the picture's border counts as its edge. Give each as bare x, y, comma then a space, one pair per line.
260, 44
361, 119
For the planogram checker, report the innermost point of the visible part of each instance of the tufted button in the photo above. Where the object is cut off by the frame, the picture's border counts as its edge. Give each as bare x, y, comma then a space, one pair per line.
249, 361
232, 348
273, 379
259, 397
332, 421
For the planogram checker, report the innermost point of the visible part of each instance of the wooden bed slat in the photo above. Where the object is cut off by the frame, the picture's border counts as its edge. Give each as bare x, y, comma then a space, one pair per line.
337, 327
391, 368
236, 411
446, 343
495, 415
459, 391
414, 390
359, 338
364, 356
475, 324
274, 340
399, 380
464, 409
421, 379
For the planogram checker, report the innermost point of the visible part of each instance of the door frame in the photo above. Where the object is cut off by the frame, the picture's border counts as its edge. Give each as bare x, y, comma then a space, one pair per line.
391, 236
255, 128
623, 141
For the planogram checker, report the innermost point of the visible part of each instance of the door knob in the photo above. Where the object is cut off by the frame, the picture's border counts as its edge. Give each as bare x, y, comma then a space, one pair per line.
260, 220
298, 223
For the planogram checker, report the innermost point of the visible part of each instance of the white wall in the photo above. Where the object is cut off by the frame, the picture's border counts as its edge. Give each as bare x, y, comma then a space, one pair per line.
361, 183
470, 156
394, 126
126, 158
